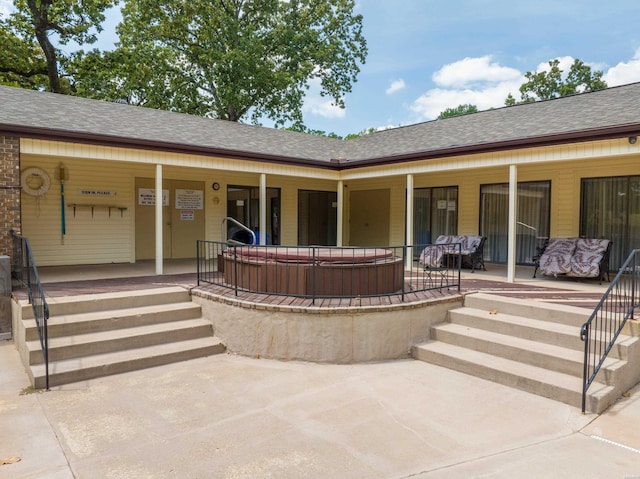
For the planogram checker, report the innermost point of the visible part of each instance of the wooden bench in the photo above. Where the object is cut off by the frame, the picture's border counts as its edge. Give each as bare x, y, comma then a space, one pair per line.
448, 248
574, 257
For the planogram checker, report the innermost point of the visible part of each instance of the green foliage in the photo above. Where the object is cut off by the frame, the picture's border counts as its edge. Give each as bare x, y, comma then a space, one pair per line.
366, 131
229, 59
546, 85
457, 111
35, 21
22, 63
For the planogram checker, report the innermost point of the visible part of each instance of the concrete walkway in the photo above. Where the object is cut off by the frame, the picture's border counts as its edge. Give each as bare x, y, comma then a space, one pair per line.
235, 417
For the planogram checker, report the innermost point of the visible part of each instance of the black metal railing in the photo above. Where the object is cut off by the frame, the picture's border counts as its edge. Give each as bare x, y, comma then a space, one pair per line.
328, 272
25, 272
606, 322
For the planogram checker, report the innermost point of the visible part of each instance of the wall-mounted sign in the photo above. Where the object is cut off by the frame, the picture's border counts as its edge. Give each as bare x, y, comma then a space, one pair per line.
189, 199
147, 197
187, 215
101, 193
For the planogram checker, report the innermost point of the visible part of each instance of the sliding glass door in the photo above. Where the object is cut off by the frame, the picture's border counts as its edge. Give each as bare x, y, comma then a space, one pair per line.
243, 205
435, 213
533, 218
610, 208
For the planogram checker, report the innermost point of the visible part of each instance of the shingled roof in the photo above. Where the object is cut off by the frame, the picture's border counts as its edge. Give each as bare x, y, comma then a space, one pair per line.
614, 112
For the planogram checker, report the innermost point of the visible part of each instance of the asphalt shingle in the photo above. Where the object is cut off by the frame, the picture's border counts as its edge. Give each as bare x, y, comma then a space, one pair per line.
589, 112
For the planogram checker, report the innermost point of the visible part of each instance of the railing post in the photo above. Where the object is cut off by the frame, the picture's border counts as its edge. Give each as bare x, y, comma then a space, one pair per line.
235, 268
404, 263
313, 276
198, 262
585, 368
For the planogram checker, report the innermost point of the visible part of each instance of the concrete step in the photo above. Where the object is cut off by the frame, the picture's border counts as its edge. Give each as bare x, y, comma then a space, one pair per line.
556, 313
76, 346
110, 301
537, 380
535, 353
88, 322
99, 365
567, 336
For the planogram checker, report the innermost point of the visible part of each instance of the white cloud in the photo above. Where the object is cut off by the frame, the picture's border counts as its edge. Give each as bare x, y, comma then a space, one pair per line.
564, 64
469, 71
395, 86
476, 81
318, 105
624, 73
486, 84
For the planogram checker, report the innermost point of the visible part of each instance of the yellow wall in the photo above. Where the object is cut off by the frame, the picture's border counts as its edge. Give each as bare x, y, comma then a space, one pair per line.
104, 238
113, 236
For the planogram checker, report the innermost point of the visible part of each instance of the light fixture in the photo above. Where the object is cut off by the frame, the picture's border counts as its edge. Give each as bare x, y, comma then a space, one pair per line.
632, 140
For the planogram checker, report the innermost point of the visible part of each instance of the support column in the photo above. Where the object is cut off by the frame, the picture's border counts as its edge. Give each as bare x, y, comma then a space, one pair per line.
513, 212
159, 221
263, 209
340, 214
409, 222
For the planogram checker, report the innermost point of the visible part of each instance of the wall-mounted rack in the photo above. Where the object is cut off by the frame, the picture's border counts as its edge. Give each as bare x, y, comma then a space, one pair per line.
93, 206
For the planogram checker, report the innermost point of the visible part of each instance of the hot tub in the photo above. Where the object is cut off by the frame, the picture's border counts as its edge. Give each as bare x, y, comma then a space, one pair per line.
313, 271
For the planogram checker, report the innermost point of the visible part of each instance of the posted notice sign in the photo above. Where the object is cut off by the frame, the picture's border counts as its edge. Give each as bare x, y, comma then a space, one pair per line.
189, 199
147, 197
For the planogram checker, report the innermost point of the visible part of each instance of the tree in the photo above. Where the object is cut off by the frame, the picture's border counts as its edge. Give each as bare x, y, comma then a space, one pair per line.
36, 20
230, 59
22, 63
546, 85
457, 111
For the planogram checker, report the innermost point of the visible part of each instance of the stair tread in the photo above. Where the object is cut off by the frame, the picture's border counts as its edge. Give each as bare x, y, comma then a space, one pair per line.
566, 354
555, 312
114, 313
129, 355
94, 337
559, 328
557, 379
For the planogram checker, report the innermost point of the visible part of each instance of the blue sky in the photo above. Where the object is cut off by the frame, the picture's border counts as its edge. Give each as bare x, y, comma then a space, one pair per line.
428, 55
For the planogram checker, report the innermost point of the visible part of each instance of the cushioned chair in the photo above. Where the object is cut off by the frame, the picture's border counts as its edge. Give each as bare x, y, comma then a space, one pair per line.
574, 257
471, 251
556, 257
587, 260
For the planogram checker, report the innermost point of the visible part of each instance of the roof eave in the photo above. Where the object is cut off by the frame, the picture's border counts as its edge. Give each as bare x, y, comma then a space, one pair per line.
155, 145
616, 132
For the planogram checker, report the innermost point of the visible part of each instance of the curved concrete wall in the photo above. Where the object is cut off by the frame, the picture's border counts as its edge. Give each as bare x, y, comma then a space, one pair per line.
328, 335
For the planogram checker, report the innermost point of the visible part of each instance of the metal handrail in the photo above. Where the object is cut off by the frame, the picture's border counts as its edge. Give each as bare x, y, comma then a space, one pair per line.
315, 272
242, 226
605, 324
25, 272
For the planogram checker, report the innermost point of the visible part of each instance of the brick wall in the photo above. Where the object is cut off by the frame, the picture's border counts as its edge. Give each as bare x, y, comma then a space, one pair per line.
10, 213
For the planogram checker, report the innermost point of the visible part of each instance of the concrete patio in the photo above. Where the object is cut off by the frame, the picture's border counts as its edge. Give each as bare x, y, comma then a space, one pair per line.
228, 416
235, 417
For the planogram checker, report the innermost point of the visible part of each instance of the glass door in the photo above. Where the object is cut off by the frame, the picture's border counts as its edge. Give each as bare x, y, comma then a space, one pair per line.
610, 208
533, 219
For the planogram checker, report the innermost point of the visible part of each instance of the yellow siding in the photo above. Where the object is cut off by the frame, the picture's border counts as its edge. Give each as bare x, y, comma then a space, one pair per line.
105, 239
